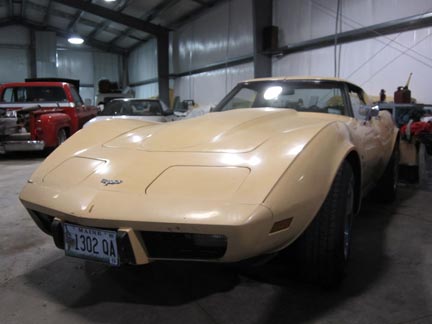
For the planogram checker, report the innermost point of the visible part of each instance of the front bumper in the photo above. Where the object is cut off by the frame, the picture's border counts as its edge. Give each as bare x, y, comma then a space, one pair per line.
168, 241
21, 146
217, 231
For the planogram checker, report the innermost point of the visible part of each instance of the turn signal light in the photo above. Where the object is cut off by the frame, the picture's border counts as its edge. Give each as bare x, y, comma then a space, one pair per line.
281, 225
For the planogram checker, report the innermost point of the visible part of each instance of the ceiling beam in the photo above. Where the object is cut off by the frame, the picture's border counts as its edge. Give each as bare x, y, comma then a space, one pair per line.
115, 16
6, 22
61, 33
203, 3
93, 42
10, 8
155, 11
192, 15
182, 20
148, 16
23, 6
102, 26
75, 19
35, 6
47, 12
61, 14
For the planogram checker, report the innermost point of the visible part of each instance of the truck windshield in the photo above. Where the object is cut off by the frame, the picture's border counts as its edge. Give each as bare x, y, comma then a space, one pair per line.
34, 94
308, 96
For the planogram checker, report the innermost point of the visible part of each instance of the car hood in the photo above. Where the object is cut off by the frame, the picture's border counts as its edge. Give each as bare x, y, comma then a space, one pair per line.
242, 153
236, 131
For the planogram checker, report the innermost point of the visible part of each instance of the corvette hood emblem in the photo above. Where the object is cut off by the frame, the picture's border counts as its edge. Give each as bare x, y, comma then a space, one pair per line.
107, 182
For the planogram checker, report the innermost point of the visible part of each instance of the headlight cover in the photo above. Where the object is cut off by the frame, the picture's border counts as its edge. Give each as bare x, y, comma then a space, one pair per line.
198, 182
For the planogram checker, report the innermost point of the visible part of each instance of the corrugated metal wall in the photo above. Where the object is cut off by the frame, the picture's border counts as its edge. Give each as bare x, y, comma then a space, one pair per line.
14, 54
142, 63
75, 64
89, 67
46, 52
146, 91
85, 64
221, 35
382, 62
106, 66
208, 88
142, 67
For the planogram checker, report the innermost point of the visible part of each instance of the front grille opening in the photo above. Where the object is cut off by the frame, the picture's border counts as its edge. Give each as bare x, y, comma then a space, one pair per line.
184, 245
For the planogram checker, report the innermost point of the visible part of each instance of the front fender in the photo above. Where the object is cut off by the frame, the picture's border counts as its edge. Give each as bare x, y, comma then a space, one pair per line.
50, 123
303, 187
81, 141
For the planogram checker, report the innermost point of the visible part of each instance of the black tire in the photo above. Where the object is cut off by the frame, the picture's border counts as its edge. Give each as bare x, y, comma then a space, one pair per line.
61, 136
386, 188
322, 251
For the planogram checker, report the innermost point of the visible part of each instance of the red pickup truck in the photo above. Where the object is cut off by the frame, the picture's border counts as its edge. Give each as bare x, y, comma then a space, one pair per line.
40, 114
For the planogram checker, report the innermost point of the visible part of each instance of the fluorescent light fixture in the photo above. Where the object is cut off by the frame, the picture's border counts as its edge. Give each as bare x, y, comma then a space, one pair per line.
76, 40
110, 0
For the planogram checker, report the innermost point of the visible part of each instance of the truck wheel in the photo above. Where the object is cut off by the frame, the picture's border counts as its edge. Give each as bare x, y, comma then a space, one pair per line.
322, 251
61, 136
385, 190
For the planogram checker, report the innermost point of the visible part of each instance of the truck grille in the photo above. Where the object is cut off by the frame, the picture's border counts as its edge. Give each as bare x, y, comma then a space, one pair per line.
19, 137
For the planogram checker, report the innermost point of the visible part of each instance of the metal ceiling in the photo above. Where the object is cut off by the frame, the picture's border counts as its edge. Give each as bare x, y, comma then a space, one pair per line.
118, 26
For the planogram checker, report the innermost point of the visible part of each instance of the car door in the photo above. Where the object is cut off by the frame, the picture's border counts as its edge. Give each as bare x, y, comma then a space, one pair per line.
369, 131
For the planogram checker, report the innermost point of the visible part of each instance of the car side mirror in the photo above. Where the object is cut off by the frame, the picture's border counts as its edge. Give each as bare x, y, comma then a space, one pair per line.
369, 111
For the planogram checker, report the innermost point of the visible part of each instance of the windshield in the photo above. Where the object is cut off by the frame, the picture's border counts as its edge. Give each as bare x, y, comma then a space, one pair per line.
308, 96
132, 108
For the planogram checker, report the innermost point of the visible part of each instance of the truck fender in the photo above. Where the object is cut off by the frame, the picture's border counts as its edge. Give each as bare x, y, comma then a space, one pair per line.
49, 124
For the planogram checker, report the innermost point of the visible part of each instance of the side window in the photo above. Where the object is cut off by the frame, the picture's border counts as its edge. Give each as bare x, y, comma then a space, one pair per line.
243, 99
356, 97
15, 95
8, 95
155, 109
76, 97
115, 108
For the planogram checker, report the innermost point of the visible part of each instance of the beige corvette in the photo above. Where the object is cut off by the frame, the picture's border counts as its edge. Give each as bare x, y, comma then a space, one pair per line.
278, 161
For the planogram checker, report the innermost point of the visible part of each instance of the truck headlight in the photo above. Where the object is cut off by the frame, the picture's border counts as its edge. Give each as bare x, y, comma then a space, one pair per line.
11, 114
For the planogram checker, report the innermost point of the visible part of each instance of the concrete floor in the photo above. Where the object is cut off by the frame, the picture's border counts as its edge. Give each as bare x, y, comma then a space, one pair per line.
389, 280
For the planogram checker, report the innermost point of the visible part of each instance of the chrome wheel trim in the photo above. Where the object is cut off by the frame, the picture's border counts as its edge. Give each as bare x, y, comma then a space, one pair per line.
61, 136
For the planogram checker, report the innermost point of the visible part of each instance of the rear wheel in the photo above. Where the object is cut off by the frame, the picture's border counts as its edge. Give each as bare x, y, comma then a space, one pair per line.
385, 190
323, 249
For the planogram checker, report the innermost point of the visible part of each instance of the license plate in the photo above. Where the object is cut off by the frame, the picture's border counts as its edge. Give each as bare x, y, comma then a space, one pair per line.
91, 243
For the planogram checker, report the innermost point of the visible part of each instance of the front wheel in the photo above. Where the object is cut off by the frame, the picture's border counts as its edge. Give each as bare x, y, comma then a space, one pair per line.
61, 136
323, 249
